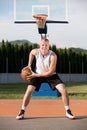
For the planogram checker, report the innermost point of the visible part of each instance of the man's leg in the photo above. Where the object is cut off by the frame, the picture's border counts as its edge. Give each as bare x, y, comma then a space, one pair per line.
62, 89
26, 101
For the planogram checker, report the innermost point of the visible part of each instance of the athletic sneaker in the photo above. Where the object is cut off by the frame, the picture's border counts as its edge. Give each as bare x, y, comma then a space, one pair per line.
20, 116
69, 114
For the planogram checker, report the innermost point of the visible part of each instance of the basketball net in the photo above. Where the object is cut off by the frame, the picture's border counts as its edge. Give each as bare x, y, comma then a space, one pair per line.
40, 19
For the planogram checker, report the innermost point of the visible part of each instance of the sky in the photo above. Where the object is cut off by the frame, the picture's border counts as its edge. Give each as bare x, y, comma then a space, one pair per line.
73, 34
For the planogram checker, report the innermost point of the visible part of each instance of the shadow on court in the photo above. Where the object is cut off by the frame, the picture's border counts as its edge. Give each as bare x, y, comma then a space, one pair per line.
43, 123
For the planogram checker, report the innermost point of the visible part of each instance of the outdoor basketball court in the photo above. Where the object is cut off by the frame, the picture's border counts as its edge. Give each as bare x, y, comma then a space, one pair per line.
43, 115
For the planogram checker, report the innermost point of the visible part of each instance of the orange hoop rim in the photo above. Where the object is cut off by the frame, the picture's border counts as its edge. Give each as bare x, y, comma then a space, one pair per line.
42, 16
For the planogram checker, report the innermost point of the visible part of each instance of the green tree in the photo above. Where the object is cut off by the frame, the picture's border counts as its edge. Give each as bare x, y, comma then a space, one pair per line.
3, 58
17, 60
9, 57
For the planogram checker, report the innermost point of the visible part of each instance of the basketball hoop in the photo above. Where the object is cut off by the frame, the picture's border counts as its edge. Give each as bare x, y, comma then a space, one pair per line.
40, 19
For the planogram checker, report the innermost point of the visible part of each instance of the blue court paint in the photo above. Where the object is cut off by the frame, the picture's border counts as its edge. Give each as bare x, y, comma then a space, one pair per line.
45, 90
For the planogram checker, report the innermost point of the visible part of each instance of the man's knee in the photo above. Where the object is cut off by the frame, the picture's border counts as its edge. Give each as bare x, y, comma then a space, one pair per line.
61, 88
31, 88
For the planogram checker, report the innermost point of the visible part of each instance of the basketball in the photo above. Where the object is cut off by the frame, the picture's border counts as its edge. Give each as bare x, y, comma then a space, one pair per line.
25, 72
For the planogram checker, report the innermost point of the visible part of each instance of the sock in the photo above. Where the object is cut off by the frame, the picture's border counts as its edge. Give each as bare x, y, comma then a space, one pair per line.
23, 108
67, 108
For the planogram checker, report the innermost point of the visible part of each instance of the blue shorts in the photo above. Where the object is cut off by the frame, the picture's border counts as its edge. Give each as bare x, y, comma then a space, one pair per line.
51, 80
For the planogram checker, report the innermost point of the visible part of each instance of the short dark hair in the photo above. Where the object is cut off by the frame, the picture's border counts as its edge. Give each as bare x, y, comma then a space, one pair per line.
46, 40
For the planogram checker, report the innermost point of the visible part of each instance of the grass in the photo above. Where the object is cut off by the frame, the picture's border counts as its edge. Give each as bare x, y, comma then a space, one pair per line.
77, 90
16, 91
12, 91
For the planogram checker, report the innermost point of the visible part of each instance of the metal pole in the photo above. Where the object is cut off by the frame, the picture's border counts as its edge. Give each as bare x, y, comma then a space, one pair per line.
6, 64
82, 67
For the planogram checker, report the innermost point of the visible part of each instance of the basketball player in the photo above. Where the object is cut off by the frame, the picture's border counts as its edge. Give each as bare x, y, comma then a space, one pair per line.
45, 72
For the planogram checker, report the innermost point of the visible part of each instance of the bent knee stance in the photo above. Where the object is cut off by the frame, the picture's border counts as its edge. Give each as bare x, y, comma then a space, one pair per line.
61, 88
64, 91
30, 88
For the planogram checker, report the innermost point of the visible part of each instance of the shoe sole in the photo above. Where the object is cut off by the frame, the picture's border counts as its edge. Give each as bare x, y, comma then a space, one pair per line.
71, 118
20, 118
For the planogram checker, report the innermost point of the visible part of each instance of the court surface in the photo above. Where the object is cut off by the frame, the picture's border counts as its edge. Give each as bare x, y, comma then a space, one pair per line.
43, 115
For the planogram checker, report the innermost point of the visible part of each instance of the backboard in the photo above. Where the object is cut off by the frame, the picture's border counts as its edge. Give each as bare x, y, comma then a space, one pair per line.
56, 10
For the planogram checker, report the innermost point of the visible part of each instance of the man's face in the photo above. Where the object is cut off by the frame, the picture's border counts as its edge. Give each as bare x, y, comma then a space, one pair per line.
44, 46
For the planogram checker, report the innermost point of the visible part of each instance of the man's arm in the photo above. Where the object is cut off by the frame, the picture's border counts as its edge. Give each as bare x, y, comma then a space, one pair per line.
31, 57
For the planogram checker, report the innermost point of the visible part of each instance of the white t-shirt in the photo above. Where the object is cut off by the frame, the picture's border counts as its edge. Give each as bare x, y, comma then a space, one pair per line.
43, 62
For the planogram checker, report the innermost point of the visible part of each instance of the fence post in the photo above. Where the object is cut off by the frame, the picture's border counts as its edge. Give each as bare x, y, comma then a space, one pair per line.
82, 67
21, 63
69, 71
6, 64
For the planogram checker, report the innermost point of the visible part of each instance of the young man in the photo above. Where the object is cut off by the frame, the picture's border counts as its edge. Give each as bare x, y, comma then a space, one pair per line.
45, 72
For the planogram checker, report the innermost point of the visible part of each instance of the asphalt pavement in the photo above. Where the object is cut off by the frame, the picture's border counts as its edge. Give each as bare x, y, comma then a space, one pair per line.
43, 123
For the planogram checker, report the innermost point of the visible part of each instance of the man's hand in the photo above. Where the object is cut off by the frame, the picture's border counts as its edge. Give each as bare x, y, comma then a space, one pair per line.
33, 75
